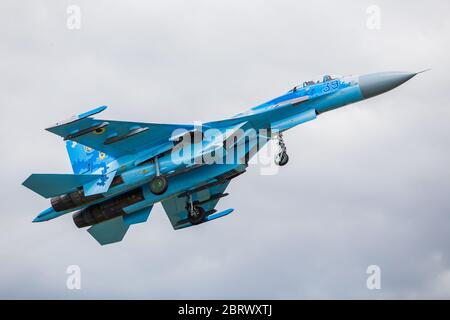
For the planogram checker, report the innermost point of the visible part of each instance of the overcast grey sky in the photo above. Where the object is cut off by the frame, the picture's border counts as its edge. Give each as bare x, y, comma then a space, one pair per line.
366, 184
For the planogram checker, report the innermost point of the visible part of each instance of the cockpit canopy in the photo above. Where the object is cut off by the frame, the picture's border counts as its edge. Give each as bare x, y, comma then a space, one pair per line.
316, 80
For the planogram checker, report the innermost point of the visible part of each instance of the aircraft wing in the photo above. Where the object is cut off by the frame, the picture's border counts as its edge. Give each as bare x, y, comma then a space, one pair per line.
115, 138
207, 198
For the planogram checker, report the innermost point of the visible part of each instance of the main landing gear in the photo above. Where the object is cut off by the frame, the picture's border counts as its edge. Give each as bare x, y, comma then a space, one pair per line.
159, 184
281, 158
196, 214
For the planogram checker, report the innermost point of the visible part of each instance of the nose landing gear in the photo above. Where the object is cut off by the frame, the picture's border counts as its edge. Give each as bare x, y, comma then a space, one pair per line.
282, 157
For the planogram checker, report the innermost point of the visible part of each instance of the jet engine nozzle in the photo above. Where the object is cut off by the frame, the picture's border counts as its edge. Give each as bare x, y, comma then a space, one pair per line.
72, 200
108, 209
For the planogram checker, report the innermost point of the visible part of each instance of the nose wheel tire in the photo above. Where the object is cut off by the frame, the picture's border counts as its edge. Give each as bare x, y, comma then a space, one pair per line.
158, 185
196, 215
282, 159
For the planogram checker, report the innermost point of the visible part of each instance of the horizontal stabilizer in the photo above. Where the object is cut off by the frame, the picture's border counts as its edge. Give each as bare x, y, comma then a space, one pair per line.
52, 185
109, 231
114, 230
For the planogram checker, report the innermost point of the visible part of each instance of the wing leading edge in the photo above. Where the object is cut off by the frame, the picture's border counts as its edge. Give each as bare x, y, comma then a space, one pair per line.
52, 185
115, 138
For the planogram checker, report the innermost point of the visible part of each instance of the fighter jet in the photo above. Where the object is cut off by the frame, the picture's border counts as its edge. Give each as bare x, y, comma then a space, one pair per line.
122, 169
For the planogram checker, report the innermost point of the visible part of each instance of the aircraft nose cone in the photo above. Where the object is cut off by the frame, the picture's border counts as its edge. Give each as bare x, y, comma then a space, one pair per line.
377, 83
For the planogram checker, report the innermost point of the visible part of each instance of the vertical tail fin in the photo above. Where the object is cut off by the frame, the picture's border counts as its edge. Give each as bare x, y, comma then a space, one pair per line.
81, 157
84, 159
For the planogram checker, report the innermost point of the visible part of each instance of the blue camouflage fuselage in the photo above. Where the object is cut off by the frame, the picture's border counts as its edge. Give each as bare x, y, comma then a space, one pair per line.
122, 168
321, 97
